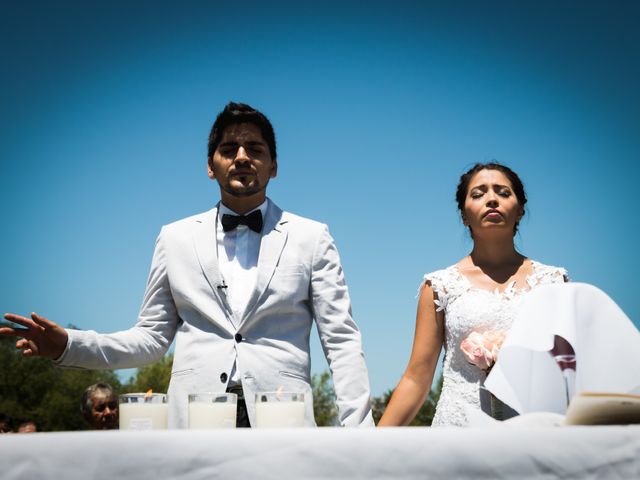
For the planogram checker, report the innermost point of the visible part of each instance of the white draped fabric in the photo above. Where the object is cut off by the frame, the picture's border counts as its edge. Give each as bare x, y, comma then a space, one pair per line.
605, 341
326, 453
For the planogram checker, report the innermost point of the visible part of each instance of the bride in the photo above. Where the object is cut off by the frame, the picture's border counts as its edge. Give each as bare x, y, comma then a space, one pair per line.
479, 293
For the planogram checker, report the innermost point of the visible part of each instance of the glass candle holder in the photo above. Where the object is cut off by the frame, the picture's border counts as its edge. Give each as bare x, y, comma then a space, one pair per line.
143, 411
279, 409
212, 410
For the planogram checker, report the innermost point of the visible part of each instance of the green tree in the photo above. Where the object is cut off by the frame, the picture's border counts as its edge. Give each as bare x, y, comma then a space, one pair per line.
35, 389
324, 400
424, 417
154, 376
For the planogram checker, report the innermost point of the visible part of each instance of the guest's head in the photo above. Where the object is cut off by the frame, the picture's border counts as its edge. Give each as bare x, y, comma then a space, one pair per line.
491, 196
100, 407
27, 427
6, 424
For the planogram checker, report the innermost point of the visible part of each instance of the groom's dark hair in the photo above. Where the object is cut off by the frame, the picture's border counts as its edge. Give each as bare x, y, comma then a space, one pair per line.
235, 113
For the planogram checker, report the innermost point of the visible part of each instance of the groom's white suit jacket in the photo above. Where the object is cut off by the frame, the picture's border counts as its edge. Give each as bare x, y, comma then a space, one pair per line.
299, 277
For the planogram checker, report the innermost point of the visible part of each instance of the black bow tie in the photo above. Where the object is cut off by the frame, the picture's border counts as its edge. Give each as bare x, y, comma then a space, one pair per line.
253, 221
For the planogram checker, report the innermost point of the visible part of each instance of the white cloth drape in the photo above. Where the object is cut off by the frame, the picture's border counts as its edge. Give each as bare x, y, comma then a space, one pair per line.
326, 453
605, 341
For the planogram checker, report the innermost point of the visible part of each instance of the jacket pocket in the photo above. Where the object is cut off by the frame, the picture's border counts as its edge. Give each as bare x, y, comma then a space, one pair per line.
297, 376
181, 373
286, 270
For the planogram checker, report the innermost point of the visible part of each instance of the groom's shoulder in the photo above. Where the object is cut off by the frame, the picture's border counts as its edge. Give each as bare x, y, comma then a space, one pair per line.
298, 222
189, 223
299, 219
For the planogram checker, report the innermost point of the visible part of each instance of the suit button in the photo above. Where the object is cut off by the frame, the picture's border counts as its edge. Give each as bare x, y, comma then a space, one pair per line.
238, 337
223, 377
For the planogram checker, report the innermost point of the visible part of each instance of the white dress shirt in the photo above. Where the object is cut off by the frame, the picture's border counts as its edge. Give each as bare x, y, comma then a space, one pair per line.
238, 252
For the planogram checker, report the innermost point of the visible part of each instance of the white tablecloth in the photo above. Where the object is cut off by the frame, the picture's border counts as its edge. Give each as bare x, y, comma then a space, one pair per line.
474, 453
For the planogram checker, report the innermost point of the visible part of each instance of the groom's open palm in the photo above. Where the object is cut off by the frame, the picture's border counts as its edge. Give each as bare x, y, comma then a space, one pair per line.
40, 337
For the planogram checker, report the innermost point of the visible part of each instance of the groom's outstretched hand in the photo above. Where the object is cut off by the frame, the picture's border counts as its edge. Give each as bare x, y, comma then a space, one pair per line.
40, 337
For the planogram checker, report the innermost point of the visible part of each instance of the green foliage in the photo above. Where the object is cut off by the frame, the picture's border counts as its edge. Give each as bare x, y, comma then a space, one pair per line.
326, 412
154, 376
424, 416
324, 400
35, 389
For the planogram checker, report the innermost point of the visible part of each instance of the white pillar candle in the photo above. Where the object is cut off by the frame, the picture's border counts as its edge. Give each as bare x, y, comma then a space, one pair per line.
139, 411
212, 410
279, 410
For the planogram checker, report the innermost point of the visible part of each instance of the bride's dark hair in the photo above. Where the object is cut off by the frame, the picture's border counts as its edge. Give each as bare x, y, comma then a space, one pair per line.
516, 183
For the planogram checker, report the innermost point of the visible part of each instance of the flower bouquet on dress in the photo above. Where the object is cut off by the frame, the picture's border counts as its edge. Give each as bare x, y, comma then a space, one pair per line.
481, 350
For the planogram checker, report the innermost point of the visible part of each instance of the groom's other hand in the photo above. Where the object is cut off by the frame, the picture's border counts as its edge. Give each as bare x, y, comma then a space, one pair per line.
39, 337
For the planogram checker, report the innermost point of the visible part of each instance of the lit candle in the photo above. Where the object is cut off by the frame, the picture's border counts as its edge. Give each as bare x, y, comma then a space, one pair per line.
279, 409
140, 411
212, 410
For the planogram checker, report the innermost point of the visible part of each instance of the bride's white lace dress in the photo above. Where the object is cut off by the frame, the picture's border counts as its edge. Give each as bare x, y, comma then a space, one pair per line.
467, 308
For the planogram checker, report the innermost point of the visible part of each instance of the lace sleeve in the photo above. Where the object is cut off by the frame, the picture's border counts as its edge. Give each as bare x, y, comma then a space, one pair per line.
564, 275
556, 275
545, 274
437, 283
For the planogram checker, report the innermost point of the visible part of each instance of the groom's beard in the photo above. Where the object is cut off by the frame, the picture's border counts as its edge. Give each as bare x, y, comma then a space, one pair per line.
247, 190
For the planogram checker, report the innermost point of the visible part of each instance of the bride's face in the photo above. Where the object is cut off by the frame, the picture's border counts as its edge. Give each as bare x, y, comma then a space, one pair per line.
490, 203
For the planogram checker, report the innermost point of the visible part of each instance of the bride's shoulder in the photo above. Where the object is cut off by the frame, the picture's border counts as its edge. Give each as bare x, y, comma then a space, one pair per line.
442, 274
442, 280
542, 274
447, 285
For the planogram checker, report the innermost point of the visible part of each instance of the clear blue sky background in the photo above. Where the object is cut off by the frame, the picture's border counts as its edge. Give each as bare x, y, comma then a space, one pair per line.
378, 109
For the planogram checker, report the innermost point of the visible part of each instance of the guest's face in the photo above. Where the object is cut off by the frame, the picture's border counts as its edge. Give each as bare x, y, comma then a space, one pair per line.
28, 427
491, 204
104, 411
242, 164
5, 428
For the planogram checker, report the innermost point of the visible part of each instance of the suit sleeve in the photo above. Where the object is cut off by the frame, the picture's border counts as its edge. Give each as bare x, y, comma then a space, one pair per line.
142, 344
339, 335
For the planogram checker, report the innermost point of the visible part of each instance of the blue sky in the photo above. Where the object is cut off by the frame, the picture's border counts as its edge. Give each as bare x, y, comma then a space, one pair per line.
106, 107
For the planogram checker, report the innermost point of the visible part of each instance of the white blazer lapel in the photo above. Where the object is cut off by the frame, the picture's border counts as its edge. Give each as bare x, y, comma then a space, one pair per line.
273, 240
205, 244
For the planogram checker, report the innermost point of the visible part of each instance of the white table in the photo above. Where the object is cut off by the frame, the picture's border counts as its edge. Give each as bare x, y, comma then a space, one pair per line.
474, 453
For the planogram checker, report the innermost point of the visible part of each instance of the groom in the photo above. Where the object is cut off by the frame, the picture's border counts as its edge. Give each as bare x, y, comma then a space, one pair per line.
238, 287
